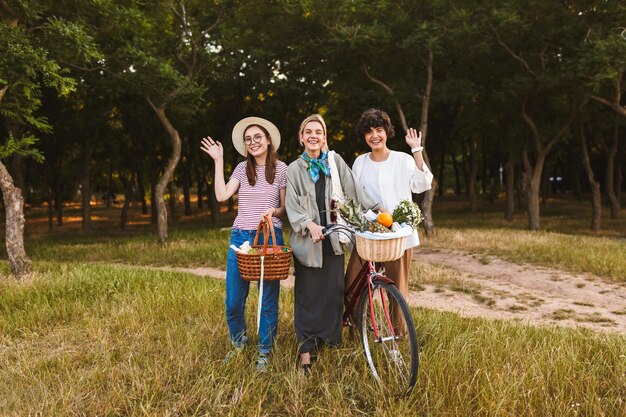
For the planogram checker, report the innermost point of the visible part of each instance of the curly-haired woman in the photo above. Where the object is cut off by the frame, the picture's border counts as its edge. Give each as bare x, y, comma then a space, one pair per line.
389, 176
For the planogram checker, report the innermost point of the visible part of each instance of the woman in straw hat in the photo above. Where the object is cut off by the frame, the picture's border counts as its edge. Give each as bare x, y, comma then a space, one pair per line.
319, 262
260, 182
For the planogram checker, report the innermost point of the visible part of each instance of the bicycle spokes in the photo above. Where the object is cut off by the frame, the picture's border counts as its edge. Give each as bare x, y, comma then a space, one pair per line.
388, 337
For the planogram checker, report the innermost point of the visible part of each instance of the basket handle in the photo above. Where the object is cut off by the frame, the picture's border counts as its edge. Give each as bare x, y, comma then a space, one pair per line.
266, 223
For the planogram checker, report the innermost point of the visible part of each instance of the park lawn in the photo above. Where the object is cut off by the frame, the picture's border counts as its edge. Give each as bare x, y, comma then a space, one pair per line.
97, 339
186, 246
566, 242
191, 246
601, 256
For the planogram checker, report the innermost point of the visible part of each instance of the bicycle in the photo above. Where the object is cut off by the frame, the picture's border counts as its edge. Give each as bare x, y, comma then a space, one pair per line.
391, 349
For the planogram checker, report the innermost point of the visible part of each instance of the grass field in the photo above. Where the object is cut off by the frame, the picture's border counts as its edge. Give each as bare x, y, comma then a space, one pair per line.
87, 335
565, 243
114, 340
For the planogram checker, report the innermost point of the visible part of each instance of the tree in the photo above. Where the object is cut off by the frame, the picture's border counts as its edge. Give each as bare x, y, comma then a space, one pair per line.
366, 36
31, 39
163, 55
603, 66
542, 38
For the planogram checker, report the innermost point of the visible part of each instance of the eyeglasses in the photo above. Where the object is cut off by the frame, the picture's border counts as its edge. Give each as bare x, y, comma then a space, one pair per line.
256, 139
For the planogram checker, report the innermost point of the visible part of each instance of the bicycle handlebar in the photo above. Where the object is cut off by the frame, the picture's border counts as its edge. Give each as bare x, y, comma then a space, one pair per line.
340, 228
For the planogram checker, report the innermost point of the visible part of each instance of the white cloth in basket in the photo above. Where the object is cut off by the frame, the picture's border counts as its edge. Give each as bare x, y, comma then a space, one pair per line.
404, 230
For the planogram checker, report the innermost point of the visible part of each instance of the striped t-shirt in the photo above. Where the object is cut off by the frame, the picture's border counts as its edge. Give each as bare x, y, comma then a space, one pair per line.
254, 201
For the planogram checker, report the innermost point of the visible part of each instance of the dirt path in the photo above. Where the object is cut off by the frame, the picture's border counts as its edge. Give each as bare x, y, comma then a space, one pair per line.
531, 294
492, 288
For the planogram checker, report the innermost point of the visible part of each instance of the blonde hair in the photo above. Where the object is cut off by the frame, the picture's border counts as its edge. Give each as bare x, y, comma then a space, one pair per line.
316, 118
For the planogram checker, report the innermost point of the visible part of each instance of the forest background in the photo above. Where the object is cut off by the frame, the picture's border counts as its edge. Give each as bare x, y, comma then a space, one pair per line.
517, 100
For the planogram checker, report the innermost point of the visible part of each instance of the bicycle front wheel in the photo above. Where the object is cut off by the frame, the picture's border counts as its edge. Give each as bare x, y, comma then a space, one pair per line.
388, 337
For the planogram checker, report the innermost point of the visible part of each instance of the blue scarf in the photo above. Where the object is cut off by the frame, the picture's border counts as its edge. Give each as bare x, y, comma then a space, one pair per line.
316, 165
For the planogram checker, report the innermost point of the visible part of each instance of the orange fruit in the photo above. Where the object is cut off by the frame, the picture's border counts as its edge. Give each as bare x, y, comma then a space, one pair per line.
385, 219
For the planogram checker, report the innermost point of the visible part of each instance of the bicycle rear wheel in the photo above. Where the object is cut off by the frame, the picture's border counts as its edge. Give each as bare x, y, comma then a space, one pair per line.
392, 355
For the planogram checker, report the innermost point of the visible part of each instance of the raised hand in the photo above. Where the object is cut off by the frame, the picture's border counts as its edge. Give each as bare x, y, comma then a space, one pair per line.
212, 147
413, 138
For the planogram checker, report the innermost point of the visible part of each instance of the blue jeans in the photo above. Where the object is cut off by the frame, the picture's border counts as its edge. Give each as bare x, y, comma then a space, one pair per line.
237, 293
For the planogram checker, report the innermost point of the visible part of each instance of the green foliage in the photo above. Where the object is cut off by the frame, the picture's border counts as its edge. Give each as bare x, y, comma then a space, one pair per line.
38, 49
26, 68
603, 49
21, 146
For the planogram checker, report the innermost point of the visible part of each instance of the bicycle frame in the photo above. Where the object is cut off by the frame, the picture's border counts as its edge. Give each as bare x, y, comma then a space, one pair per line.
392, 358
366, 277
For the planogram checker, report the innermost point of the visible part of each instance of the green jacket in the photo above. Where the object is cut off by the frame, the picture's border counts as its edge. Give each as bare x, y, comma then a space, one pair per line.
302, 208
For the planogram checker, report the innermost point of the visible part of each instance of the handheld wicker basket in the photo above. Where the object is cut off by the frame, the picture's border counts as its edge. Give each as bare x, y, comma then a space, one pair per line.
379, 250
276, 262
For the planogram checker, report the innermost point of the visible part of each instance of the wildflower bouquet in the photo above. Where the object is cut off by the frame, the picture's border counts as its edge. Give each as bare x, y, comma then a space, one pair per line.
354, 215
408, 212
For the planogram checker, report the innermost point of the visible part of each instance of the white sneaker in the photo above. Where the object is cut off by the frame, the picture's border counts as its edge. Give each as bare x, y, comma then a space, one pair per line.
262, 363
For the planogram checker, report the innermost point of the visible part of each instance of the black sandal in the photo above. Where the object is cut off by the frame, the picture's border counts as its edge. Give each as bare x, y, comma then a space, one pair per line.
306, 369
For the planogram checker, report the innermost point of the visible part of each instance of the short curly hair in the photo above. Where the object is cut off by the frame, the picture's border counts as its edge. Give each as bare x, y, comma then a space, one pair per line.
373, 118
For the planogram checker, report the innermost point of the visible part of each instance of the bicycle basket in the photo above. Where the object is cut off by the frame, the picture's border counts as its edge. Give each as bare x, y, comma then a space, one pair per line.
277, 259
382, 247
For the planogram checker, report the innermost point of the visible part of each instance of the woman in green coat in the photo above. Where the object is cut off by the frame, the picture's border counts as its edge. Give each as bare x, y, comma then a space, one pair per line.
319, 262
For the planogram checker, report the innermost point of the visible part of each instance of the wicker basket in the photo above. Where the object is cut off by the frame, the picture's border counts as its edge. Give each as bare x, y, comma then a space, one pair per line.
380, 250
277, 258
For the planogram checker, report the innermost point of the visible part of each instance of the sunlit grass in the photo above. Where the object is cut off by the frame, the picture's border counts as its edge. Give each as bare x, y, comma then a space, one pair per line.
102, 340
605, 257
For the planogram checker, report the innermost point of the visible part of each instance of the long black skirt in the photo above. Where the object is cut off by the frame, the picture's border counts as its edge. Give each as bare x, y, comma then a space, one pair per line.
318, 304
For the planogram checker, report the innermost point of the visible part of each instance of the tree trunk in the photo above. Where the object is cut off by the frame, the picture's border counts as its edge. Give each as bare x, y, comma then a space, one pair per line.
50, 208
142, 193
107, 194
186, 189
429, 196
473, 172
614, 203
215, 206
596, 197
128, 195
578, 191
442, 165
200, 181
58, 201
15, 164
427, 207
457, 179
85, 186
542, 151
427, 201
19, 262
173, 200
161, 185
495, 182
509, 181
619, 180
153, 209
545, 188
523, 181
533, 190
484, 178
16, 171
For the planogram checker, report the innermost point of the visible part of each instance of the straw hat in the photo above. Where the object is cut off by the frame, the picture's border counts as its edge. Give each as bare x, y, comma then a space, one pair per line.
243, 124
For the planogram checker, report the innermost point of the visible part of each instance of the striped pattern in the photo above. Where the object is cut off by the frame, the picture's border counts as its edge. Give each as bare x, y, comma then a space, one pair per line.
254, 201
